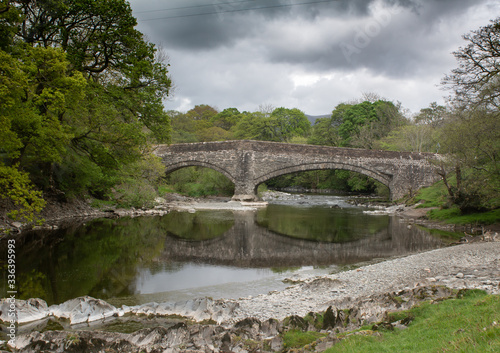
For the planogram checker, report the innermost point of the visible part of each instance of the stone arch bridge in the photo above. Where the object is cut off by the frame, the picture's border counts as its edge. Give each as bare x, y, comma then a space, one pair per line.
250, 163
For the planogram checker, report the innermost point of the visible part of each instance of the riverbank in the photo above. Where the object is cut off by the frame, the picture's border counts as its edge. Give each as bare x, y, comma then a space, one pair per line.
57, 214
356, 297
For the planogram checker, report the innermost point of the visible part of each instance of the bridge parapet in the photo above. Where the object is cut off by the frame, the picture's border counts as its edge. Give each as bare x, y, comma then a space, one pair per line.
249, 163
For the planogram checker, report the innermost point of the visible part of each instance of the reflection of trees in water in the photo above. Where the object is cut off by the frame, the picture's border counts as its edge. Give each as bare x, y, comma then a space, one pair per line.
320, 223
103, 257
201, 225
97, 259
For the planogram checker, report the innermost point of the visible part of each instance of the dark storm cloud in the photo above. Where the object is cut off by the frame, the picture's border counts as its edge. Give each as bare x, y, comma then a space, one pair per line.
390, 40
195, 25
308, 56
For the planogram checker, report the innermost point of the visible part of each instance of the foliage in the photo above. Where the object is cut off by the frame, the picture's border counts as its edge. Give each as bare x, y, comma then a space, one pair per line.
253, 126
325, 132
281, 125
197, 182
288, 123
419, 135
357, 125
411, 138
16, 186
227, 118
471, 134
435, 196
361, 125
472, 140
80, 94
468, 324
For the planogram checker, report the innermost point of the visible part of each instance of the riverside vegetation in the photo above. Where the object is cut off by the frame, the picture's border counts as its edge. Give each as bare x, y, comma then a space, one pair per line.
81, 107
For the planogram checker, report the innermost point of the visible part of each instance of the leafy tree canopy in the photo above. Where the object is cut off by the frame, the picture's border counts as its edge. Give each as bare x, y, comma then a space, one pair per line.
357, 125
81, 93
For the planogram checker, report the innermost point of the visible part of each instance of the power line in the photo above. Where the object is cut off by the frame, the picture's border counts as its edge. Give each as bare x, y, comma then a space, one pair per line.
194, 6
233, 10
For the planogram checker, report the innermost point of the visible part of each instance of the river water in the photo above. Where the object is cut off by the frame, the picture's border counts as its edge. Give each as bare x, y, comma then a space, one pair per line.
218, 254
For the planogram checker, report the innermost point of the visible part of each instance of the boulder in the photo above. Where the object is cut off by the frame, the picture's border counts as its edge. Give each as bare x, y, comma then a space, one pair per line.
83, 309
25, 310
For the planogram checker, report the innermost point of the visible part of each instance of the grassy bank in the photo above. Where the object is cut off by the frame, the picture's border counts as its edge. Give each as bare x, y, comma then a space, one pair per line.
468, 324
436, 196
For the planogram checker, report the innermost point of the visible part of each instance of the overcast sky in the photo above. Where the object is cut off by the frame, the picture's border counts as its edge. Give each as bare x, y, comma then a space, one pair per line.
308, 54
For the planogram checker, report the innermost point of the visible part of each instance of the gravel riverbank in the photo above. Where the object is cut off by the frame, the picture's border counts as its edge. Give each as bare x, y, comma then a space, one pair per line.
358, 296
474, 265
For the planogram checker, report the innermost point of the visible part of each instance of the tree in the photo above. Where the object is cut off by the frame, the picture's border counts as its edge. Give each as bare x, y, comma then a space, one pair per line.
419, 135
100, 41
358, 125
471, 132
476, 80
289, 123
325, 132
410, 138
281, 126
251, 127
81, 94
202, 112
471, 140
227, 118
434, 115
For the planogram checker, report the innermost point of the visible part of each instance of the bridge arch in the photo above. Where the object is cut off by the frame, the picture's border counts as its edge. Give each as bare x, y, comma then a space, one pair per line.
192, 163
380, 177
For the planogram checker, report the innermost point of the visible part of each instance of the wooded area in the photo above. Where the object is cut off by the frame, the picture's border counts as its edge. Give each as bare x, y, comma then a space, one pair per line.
81, 105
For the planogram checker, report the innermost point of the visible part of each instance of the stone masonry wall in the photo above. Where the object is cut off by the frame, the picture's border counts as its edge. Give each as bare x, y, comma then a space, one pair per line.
250, 163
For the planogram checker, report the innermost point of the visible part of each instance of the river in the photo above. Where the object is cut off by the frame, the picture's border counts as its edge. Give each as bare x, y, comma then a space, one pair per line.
213, 253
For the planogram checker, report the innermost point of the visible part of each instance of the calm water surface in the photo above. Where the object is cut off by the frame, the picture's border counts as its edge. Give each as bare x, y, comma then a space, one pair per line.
208, 253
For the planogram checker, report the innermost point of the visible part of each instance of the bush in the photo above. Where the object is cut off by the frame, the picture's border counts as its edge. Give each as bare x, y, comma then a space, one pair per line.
135, 194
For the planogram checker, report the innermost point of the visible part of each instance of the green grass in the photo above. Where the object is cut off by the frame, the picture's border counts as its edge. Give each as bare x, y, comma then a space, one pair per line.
433, 196
469, 324
437, 196
452, 215
297, 338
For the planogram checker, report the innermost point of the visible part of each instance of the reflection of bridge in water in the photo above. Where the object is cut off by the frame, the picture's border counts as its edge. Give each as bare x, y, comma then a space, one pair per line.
247, 244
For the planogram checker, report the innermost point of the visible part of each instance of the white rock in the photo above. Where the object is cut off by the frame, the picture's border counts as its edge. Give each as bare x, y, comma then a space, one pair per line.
83, 309
25, 310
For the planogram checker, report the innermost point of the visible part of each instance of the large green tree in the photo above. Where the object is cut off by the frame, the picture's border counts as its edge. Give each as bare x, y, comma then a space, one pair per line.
81, 91
357, 125
421, 134
360, 125
280, 126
